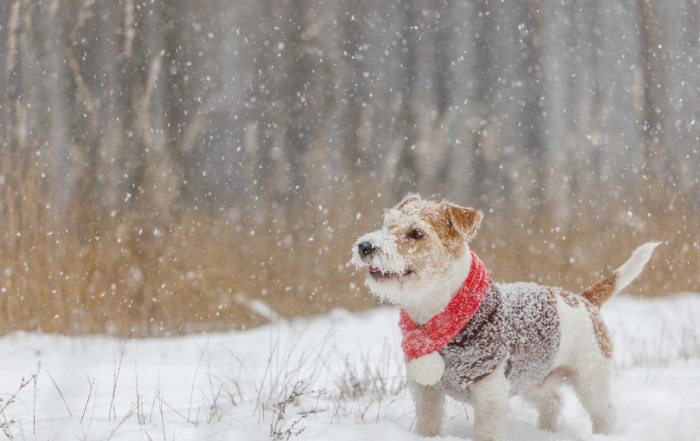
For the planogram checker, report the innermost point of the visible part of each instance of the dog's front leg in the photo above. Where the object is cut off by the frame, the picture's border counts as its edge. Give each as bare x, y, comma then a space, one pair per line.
490, 398
429, 408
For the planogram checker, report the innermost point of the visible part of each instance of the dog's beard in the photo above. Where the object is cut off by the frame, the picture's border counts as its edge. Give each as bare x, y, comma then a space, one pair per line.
387, 282
411, 288
385, 290
399, 284
390, 272
385, 258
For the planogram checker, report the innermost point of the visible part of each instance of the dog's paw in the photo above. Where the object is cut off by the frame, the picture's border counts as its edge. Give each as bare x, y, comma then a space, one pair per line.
426, 370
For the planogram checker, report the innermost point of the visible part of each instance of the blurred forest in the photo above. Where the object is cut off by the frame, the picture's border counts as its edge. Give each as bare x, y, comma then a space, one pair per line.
167, 163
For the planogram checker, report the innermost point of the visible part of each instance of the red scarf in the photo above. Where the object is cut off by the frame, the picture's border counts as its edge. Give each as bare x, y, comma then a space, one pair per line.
441, 329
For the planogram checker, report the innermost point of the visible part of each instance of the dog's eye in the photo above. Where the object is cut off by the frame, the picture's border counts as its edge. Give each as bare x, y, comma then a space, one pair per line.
415, 234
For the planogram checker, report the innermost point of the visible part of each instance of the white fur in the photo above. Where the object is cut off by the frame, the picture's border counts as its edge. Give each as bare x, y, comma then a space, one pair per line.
577, 337
549, 401
633, 267
426, 370
430, 406
588, 370
424, 301
490, 398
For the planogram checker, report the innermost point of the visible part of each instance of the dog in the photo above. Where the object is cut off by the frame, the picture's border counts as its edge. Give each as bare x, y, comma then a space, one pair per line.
479, 341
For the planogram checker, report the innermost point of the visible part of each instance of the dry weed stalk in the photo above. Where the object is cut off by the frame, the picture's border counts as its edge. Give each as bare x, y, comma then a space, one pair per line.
5, 403
281, 427
61, 393
117, 369
91, 384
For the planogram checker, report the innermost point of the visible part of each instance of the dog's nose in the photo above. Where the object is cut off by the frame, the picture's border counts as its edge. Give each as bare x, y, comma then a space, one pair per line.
365, 249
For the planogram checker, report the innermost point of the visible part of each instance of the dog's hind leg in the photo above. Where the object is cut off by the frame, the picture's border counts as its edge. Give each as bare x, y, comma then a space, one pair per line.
592, 383
490, 399
548, 400
429, 409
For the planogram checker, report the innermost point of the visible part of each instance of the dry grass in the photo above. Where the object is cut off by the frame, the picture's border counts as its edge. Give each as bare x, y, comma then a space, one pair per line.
5, 424
297, 384
132, 280
661, 343
285, 426
95, 241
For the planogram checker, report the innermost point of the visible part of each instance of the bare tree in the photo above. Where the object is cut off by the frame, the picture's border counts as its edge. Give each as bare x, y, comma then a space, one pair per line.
407, 174
356, 90
652, 59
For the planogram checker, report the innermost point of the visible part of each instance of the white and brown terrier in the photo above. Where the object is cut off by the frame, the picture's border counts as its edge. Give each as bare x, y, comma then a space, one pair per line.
482, 342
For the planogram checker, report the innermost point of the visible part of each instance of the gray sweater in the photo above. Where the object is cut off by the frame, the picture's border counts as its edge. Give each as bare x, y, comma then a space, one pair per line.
516, 324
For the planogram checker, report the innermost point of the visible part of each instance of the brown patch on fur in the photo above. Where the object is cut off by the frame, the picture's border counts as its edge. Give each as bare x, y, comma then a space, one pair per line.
601, 334
438, 219
465, 220
599, 329
453, 224
602, 291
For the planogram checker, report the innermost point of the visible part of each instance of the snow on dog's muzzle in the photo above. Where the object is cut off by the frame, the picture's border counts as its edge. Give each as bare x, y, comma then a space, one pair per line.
378, 250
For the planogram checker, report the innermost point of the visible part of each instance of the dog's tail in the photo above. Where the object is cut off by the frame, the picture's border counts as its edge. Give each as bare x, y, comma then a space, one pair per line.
602, 291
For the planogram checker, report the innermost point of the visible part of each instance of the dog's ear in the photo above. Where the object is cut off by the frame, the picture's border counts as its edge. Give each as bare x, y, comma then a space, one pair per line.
407, 199
465, 220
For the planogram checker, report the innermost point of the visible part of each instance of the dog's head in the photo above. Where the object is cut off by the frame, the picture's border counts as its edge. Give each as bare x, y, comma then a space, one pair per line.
419, 244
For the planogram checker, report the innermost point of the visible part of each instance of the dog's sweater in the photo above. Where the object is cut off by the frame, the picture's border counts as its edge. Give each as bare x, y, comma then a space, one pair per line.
516, 324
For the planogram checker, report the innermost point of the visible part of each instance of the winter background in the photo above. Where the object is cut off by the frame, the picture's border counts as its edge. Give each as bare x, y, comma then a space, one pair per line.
181, 183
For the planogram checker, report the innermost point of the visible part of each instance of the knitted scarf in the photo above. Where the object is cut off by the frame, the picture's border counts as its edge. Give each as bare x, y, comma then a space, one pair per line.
441, 329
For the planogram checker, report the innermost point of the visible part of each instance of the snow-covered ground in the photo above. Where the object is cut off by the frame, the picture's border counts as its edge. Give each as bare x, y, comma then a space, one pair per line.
337, 376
